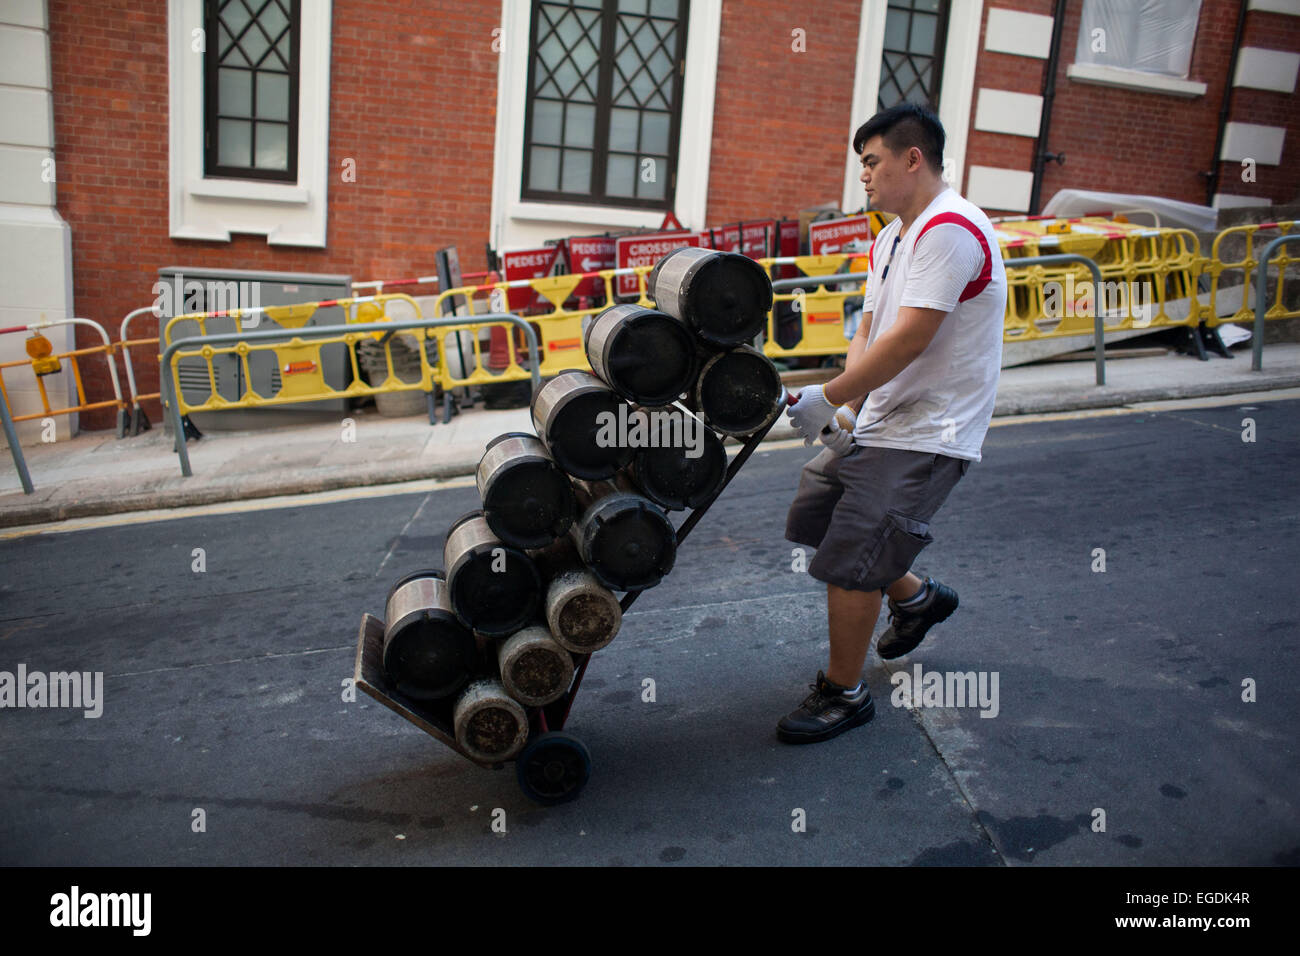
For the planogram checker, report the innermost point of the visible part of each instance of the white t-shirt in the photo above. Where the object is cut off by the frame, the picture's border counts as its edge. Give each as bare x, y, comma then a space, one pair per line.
943, 401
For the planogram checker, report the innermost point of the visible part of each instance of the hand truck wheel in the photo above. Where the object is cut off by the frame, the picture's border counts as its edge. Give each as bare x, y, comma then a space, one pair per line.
553, 768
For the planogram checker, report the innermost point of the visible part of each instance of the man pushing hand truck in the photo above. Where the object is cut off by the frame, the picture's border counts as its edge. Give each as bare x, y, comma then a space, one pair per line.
918, 388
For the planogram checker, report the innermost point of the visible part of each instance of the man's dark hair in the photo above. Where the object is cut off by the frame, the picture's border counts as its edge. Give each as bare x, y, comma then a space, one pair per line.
903, 126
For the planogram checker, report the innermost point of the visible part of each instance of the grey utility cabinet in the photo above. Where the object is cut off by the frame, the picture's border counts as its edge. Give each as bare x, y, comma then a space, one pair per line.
206, 290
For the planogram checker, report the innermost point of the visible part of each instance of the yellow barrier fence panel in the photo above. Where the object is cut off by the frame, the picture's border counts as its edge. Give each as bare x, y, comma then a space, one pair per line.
1224, 295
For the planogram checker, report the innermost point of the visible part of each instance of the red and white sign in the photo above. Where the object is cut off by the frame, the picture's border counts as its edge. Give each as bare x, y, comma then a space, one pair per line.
528, 264
633, 251
756, 239
591, 254
726, 238
789, 247
829, 237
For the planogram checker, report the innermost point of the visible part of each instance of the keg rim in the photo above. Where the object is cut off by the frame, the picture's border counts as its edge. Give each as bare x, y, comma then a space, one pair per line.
505, 436
436, 573
475, 513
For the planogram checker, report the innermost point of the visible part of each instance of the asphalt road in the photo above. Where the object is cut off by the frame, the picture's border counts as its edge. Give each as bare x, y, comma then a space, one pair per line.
1119, 691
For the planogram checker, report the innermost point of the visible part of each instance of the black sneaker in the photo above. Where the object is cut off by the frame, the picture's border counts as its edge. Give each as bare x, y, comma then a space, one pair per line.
826, 712
907, 626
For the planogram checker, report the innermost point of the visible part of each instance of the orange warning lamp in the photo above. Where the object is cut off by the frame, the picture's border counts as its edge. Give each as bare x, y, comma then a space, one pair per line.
41, 352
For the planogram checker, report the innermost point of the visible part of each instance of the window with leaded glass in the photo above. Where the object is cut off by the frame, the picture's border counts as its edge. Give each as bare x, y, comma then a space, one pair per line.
251, 89
604, 101
912, 64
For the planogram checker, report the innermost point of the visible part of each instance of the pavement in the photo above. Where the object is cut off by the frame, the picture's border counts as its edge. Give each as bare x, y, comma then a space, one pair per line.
97, 474
1124, 733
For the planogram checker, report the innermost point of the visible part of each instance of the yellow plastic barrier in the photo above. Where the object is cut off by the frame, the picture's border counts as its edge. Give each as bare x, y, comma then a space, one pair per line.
559, 332
1245, 237
302, 376
290, 316
299, 362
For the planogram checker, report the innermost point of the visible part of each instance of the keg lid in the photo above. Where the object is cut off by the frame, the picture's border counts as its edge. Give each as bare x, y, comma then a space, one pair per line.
651, 359
528, 502
494, 602
629, 543
674, 480
573, 435
431, 655
730, 298
740, 391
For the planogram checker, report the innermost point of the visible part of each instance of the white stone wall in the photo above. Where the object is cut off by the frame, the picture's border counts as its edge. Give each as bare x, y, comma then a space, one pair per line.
35, 242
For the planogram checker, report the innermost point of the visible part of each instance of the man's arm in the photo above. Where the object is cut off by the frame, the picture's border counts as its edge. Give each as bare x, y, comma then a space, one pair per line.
858, 348
866, 370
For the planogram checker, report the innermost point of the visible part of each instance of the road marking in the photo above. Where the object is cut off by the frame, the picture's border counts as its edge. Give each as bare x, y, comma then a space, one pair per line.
398, 540
440, 484
239, 507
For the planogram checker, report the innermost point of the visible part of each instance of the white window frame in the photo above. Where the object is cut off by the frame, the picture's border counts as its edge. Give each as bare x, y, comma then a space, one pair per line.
288, 214
517, 222
961, 50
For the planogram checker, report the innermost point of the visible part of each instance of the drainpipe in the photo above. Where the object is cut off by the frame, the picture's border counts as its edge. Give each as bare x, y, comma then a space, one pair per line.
1041, 156
1212, 177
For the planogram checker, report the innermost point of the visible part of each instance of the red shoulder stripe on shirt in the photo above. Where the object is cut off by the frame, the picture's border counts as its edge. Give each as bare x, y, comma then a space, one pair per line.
976, 286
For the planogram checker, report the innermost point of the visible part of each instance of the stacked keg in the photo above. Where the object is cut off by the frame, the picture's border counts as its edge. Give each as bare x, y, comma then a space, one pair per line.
580, 510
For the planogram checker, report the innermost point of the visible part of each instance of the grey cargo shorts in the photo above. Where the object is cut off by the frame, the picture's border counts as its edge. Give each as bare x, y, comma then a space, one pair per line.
868, 513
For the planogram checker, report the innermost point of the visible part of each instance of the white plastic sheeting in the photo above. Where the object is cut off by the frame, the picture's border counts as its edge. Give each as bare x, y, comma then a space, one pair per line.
1168, 212
1150, 36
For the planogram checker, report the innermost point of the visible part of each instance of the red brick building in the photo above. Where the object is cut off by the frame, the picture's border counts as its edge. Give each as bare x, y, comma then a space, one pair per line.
358, 136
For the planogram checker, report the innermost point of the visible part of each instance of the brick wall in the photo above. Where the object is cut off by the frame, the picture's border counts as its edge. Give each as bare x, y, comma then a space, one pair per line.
1003, 71
412, 100
1281, 183
781, 119
1119, 140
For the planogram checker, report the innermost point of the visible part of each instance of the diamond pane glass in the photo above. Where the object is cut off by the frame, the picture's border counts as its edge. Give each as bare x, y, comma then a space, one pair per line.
274, 19
255, 44
235, 16
623, 82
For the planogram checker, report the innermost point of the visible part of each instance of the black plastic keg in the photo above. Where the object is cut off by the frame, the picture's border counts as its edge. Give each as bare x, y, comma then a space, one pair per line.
723, 297
428, 653
494, 587
527, 499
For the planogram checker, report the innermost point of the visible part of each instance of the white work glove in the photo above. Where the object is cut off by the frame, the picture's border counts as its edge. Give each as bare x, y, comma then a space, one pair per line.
838, 435
811, 413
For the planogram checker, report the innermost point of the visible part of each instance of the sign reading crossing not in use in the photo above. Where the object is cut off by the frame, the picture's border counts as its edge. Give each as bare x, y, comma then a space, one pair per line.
633, 251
